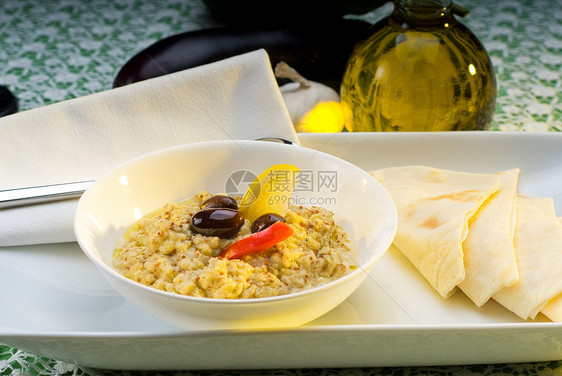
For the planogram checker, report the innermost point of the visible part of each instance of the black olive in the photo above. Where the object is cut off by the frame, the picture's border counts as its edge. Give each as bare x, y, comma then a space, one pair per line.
220, 222
220, 201
264, 221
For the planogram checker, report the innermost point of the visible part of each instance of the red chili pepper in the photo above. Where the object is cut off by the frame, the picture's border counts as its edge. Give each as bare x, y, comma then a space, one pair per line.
260, 241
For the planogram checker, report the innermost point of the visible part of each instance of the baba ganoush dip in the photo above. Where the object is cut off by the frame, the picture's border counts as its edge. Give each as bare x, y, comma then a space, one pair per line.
162, 251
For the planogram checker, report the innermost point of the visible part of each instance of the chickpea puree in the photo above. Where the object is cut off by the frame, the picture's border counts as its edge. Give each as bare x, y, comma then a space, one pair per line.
163, 251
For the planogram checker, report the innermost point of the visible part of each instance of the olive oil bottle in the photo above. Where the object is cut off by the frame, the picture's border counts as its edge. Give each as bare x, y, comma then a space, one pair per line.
421, 70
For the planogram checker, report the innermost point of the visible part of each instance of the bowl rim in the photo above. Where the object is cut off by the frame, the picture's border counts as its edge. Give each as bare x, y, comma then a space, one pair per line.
361, 267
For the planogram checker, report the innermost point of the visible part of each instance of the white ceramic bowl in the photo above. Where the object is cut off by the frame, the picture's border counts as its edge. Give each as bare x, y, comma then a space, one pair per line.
115, 201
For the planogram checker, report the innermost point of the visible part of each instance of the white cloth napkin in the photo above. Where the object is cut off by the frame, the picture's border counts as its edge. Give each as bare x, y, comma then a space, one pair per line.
82, 138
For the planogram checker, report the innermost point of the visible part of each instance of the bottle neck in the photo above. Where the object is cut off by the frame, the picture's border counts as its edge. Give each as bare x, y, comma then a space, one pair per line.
423, 14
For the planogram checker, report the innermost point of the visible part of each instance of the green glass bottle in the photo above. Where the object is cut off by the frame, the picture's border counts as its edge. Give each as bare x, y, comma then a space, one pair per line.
421, 70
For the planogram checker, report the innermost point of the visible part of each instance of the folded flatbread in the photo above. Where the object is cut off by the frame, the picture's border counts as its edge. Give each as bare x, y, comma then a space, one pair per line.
553, 309
434, 207
489, 254
538, 250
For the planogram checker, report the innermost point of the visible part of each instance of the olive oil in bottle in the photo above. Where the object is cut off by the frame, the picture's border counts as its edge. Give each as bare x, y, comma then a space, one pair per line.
421, 70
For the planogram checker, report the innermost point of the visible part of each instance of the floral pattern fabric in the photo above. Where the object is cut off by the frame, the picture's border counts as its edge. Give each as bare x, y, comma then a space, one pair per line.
52, 51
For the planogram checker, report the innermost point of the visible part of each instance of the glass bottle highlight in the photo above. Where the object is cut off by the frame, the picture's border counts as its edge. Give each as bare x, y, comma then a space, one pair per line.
421, 70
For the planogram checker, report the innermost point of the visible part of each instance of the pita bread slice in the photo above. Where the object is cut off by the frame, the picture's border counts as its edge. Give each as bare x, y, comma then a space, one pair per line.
434, 206
538, 250
553, 309
489, 254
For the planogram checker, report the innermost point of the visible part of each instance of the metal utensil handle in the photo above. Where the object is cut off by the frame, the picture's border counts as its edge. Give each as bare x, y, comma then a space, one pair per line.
47, 193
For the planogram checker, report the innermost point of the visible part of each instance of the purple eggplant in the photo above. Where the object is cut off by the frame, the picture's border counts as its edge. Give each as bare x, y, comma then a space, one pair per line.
319, 52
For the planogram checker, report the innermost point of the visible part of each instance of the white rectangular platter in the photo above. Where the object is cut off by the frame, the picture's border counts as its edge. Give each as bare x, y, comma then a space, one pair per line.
55, 303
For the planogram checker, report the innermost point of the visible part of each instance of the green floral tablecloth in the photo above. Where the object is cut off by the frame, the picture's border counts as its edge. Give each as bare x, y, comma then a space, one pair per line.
51, 51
